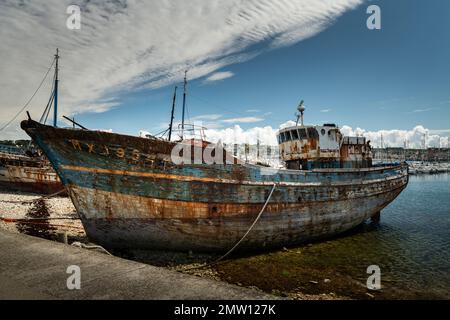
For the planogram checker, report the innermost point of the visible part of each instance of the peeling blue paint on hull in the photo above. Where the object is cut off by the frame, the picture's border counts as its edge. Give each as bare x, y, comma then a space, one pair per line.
130, 195
211, 234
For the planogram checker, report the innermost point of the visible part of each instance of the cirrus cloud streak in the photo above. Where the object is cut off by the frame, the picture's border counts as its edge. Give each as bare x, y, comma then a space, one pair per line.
129, 45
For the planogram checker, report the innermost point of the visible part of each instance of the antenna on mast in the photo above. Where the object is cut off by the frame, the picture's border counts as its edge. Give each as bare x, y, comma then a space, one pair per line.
301, 109
55, 101
184, 104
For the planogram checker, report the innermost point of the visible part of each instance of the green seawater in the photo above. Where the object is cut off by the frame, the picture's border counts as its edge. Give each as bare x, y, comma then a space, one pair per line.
410, 244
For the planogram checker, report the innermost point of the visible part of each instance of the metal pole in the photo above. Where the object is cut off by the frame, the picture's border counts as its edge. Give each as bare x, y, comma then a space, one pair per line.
173, 109
55, 101
184, 104
74, 122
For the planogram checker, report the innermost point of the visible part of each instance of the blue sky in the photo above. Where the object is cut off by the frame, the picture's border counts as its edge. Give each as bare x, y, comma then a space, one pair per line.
394, 78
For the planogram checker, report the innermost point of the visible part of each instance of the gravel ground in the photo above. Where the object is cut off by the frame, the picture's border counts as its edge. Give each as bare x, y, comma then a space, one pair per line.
39, 216
50, 217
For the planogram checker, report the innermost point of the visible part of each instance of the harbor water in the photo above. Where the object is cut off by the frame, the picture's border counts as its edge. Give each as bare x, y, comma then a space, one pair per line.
410, 244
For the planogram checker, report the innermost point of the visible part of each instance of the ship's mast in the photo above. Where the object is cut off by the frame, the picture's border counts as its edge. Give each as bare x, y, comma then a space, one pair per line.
184, 104
301, 109
55, 100
173, 110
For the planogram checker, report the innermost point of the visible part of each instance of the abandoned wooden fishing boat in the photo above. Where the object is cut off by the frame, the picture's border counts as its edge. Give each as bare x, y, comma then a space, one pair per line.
133, 192
21, 172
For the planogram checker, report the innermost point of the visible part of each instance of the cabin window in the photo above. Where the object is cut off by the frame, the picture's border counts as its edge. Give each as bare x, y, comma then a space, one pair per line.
302, 134
294, 134
283, 137
332, 134
288, 136
322, 131
279, 138
313, 134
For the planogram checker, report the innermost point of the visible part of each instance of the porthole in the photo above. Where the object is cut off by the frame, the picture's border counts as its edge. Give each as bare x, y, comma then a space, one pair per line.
322, 131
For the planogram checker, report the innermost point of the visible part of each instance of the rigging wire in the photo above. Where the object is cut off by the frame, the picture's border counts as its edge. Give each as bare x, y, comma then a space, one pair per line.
50, 100
28, 102
49, 103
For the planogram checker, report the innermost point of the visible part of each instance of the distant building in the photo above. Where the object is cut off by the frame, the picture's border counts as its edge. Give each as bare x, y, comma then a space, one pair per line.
258, 153
402, 154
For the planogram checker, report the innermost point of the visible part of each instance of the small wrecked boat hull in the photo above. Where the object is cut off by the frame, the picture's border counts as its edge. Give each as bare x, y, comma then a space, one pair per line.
19, 177
129, 194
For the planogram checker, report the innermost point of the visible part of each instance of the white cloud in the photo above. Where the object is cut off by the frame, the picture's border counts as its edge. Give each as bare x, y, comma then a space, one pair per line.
243, 120
325, 110
288, 123
414, 138
236, 134
206, 117
129, 45
439, 131
421, 110
391, 138
266, 135
219, 76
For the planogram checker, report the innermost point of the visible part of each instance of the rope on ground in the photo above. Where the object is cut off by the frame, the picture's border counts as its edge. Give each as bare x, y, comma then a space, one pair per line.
242, 238
53, 194
46, 224
9, 219
37, 199
86, 246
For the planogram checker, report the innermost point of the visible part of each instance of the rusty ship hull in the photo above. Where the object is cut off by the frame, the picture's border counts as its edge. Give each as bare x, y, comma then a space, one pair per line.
22, 173
129, 194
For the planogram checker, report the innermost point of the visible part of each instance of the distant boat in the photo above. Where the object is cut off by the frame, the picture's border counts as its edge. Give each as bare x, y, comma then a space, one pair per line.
130, 193
28, 174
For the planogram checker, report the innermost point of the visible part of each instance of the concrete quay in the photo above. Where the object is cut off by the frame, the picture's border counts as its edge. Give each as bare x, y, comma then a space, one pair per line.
35, 268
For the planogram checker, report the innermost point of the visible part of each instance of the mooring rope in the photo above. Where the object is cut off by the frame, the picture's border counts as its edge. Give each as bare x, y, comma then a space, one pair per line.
87, 246
12, 220
37, 199
242, 238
